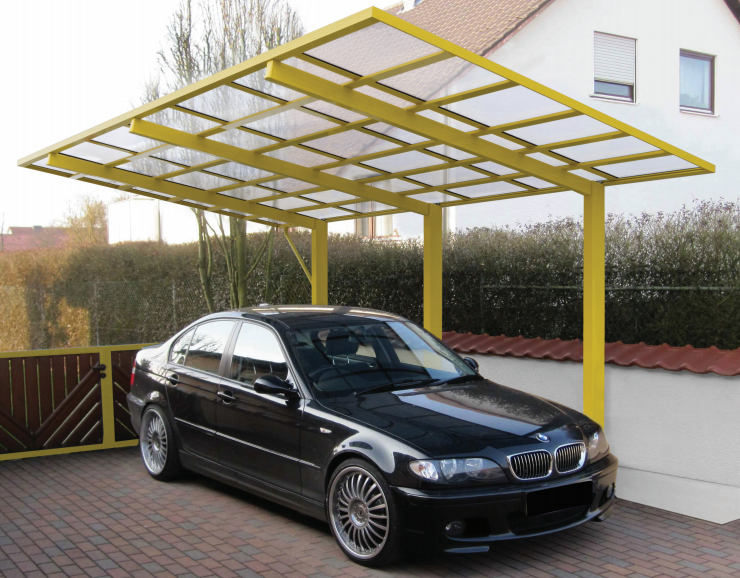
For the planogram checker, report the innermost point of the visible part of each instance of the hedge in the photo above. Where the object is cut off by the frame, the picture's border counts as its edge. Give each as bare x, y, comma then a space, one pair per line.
671, 278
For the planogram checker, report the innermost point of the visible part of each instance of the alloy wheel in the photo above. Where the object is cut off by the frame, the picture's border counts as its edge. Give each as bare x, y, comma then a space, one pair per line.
359, 512
154, 443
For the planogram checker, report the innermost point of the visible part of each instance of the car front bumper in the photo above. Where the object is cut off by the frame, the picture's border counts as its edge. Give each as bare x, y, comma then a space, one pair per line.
499, 512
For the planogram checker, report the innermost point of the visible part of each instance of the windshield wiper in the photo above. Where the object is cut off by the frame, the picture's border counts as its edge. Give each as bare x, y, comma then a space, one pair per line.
459, 379
395, 385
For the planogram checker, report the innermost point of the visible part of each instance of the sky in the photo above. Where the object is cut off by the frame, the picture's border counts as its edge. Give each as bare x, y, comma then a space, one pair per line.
72, 64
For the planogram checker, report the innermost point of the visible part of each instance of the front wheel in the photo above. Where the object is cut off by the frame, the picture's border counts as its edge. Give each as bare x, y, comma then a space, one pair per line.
157, 443
362, 514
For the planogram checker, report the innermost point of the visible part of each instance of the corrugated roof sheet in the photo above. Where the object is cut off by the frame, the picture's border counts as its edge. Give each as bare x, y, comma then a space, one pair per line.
711, 360
478, 25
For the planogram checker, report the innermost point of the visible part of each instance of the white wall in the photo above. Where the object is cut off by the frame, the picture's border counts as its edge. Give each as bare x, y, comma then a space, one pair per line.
675, 433
133, 220
556, 49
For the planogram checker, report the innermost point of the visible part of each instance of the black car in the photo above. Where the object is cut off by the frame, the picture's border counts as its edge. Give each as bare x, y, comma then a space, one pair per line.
363, 419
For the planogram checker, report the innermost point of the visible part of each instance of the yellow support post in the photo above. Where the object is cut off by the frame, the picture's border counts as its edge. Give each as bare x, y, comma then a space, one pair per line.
433, 271
593, 302
106, 399
319, 264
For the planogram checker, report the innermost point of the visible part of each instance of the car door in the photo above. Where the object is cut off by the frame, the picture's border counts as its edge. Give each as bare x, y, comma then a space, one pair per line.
259, 434
193, 381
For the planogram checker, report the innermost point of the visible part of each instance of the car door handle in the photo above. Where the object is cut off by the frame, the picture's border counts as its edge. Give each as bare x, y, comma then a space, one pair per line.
226, 396
173, 379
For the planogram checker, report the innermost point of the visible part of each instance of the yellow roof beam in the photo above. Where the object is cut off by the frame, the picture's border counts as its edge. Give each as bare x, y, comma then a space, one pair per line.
306, 83
62, 161
273, 165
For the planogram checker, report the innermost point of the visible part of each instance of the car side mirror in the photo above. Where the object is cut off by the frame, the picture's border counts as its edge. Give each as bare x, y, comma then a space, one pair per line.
471, 362
272, 384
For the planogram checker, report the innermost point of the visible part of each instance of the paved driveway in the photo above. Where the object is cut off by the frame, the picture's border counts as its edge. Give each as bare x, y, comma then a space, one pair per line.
100, 514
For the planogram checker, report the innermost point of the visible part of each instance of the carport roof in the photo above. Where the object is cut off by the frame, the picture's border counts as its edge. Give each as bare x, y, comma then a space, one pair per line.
370, 108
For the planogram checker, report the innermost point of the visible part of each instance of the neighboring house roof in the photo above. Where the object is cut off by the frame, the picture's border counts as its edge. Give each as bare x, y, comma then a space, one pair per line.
481, 25
29, 238
478, 25
711, 360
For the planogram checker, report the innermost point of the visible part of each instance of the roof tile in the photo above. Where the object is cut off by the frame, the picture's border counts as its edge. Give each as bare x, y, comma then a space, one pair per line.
687, 358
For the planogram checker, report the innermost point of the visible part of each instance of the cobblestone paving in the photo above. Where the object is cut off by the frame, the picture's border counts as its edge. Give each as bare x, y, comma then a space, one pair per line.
100, 514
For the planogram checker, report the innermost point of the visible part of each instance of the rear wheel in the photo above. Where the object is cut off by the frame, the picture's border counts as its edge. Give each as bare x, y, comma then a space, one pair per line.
157, 443
362, 514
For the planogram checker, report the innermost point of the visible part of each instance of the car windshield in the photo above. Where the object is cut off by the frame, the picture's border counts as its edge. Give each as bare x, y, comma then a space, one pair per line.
353, 358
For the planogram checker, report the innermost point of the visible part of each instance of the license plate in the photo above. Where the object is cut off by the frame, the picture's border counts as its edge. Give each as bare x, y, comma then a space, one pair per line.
559, 498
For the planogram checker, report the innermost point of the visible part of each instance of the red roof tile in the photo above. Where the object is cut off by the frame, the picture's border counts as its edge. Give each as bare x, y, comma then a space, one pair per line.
30, 238
478, 25
711, 360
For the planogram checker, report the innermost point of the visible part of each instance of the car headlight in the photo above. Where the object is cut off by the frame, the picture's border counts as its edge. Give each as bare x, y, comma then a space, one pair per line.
458, 470
598, 447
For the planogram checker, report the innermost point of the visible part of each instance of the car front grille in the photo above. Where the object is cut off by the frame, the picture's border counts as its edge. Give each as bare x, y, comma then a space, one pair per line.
531, 465
569, 458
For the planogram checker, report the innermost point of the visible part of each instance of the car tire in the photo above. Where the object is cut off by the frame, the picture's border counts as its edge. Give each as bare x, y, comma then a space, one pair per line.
362, 514
158, 446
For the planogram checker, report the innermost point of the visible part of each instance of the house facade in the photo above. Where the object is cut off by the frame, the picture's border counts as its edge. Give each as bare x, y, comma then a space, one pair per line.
668, 67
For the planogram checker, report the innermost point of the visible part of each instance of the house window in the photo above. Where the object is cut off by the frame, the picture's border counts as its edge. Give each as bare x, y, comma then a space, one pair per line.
697, 82
380, 226
614, 66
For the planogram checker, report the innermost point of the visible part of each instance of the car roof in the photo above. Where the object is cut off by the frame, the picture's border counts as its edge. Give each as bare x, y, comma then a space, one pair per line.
296, 316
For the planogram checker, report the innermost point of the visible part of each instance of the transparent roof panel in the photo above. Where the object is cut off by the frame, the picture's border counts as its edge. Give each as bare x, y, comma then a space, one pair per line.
372, 49
289, 203
95, 153
181, 121
300, 156
587, 175
291, 124
495, 168
239, 171
256, 81
352, 172
329, 213
434, 197
137, 190
368, 207
248, 193
606, 149
404, 162
384, 96
201, 181
502, 142
288, 185
334, 111
397, 133
396, 185
451, 152
227, 103
535, 182
351, 143
308, 66
448, 176
243, 139
444, 78
42, 163
497, 188
187, 157
446, 120
561, 130
122, 138
150, 166
102, 180
647, 166
329, 196
505, 106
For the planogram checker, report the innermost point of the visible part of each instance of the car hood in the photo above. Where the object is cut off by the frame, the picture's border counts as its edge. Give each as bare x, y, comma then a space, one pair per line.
465, 418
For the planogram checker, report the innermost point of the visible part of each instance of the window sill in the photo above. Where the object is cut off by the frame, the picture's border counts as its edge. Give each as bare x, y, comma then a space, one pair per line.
616, 100
698, 112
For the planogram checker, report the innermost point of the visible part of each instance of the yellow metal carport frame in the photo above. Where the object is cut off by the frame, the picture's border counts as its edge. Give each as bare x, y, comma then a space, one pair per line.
337, 163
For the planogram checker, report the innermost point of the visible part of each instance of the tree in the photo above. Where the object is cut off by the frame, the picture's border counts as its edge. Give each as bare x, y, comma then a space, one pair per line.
87, 221
202, 40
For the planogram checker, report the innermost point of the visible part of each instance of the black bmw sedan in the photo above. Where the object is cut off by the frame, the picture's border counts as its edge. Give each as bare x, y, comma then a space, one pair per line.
364, 420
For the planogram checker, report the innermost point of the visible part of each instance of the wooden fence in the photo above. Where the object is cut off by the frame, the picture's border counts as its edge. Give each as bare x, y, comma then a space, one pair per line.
65, 400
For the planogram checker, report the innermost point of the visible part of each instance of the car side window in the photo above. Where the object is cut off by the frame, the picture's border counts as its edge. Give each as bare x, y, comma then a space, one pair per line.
257, 352
208, 345
180, 348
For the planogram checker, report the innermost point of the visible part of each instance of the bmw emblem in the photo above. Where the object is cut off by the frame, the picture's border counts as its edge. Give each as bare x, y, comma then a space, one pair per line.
542, 437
